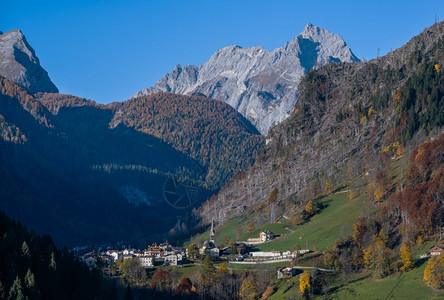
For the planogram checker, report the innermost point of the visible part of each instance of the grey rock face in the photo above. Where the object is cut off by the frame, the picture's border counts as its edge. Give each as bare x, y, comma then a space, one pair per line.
19, 63
260, 84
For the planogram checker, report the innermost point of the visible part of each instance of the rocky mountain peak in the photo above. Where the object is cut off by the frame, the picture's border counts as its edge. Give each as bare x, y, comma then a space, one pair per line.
260, 84
311, 30
19, 63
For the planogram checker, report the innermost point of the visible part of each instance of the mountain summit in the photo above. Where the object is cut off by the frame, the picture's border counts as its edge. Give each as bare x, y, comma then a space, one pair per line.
19, 63
261, 85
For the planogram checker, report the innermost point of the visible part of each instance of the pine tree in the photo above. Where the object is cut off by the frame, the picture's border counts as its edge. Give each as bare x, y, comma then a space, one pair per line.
29, 279
16, 291
2, 291
207, 266
25, 249
52, 263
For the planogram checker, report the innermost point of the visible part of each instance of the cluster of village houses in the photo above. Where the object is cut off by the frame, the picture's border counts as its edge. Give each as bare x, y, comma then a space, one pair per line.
173, 256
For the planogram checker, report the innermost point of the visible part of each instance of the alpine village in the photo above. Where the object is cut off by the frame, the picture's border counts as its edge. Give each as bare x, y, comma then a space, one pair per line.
303, 172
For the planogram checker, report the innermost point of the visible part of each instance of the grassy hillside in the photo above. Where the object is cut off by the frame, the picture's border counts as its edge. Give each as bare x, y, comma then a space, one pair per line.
398, 286
334, 222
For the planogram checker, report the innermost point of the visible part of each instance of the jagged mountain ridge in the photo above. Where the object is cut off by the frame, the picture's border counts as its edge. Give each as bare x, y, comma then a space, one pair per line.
345, 116
19, 63
260, 84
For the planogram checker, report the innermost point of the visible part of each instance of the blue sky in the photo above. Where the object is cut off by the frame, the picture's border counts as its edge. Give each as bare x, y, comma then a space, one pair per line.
107, 50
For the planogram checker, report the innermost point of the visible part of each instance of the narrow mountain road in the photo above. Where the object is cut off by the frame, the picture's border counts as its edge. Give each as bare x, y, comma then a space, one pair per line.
289, 229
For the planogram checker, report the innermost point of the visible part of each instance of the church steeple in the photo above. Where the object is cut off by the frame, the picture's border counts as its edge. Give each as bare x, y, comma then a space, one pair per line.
212, 233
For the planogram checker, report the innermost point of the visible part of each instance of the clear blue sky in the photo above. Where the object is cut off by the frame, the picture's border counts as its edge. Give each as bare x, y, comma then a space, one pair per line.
107, 50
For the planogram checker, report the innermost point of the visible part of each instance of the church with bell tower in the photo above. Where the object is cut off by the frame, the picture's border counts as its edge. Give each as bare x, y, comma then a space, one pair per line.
212, 233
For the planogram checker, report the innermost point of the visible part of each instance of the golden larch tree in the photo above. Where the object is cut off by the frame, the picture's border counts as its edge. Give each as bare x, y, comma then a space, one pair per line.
304, 282
434, 272
248, 288
406, 257
309, 208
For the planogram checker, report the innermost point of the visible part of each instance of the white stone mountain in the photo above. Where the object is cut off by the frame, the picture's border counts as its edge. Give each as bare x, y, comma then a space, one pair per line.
260, 84
19, 63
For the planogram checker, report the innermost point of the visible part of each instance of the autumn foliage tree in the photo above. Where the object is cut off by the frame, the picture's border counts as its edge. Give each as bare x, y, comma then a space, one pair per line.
351, 195
378, 256
248, 288
250, 226
185, 288
268, 292
162, 279
309, 208
406, 257
273, 196
327, 186
304, 282
359, 231
434, 272
421, 202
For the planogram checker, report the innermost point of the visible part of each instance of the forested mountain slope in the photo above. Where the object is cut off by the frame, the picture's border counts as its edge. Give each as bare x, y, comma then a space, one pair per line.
72, 176
348, 120
209, 131
77, 169
31, 267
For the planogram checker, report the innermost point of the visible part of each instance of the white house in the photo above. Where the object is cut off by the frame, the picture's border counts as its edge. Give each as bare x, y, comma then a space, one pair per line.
128, 252
128, 256
266, 254
171, 260
215, 252
266, 235
286, 272
436, 250
115, 254
146, 261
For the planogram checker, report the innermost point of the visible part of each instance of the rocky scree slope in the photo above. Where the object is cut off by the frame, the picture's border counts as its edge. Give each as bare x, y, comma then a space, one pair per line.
345, 118
261, 85
19, 63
